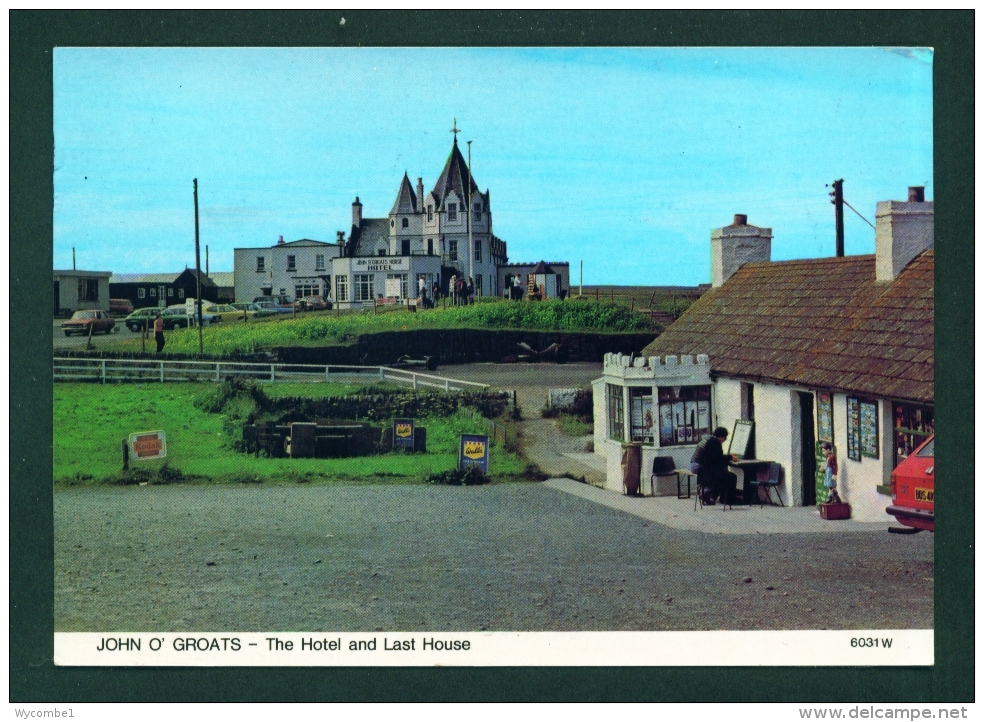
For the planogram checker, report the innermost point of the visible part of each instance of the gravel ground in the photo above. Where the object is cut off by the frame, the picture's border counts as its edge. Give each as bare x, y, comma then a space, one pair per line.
411, 558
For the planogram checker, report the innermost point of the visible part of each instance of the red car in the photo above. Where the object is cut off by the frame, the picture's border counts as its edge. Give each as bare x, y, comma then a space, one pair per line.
913, 483
82, 321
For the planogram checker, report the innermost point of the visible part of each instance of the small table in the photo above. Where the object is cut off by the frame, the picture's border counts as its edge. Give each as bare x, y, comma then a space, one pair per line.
680, 473
749, 468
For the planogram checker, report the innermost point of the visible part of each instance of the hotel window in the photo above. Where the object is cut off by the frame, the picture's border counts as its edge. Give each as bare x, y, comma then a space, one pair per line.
452, 211
430, 213
477, 210
616, 412
684, 414
341, 288
405, 223
913, 425
260, 264
291, 263
478, 251
319, 262
452, 250
363, 286
641, 427
303, 290
88, 289
141, 293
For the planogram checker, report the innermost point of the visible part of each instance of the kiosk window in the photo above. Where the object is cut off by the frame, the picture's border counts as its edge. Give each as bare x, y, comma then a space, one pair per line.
684, 414
616, 412
641, 414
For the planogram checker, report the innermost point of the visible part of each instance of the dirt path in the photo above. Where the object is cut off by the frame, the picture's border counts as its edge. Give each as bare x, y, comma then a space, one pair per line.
543, 443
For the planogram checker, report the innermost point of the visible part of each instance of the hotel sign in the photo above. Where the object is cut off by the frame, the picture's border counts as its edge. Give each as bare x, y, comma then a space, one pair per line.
381, 263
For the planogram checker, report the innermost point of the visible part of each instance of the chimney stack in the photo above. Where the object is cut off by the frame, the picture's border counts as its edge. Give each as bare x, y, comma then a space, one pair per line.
420, 192
341, 237
735, 245
356, 213
903, 230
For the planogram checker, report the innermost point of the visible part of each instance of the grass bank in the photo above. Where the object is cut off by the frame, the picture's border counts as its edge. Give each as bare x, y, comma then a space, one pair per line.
90, 421
323, 328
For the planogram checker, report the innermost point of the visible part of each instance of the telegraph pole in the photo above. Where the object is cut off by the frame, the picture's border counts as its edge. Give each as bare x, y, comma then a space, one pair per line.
838, 202
198, 273
471, 245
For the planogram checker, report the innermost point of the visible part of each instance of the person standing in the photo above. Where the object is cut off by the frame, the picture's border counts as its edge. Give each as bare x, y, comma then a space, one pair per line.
470, 291
159, 332
451, 286
437, 292
830, 474
422, 287
459, 291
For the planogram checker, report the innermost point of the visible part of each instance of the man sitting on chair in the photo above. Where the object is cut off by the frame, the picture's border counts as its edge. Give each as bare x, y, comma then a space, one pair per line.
713, 476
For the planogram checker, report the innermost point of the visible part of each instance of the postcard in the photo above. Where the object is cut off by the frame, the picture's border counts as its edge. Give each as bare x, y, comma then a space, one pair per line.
357, 355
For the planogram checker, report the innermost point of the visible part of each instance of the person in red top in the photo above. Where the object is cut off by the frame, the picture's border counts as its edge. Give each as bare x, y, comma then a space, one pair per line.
830, 473
159, 332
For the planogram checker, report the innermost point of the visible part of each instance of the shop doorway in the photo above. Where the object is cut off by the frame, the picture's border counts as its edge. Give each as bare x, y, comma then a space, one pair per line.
808, 461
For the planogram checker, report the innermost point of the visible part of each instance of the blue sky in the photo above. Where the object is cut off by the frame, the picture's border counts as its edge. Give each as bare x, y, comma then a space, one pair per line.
623, 158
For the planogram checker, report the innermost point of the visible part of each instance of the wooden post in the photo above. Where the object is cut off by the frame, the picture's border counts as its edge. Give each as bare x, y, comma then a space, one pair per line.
126, 456
198, 271
88, 342
613, 294
596, 294
652, 298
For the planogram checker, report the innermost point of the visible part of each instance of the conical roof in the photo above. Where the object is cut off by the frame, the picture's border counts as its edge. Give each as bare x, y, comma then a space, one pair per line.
454, 177
542, 268
406, 199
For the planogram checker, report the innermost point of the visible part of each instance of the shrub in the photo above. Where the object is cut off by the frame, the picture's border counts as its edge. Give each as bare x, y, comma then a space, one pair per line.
469, 476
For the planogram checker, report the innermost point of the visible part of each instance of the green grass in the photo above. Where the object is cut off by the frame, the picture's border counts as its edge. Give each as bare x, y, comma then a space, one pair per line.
571, 425
320, 329
91, 420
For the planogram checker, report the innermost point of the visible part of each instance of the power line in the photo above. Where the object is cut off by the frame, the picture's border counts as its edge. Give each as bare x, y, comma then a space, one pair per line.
859, 215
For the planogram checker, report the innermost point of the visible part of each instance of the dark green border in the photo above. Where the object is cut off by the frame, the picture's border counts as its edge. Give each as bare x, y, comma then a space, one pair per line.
33, 34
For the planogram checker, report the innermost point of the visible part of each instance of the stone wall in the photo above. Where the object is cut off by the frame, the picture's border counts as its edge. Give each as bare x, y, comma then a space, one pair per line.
454, 346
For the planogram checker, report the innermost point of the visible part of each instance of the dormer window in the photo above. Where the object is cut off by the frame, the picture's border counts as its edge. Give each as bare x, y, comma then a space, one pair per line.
477, 211
452, 211
430, 212
405, 223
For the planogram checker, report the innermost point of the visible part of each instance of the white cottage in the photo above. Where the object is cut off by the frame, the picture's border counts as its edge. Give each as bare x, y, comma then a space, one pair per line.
829, 349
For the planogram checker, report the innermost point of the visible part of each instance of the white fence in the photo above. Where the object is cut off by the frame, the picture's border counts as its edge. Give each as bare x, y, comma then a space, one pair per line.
144, 370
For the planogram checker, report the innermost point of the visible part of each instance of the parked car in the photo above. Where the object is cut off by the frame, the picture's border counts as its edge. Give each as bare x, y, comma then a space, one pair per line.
120, 306
279, 300
252, 310
207, 318
144, 318
272, 307
86, 322
912, 484
313, 303
225, 311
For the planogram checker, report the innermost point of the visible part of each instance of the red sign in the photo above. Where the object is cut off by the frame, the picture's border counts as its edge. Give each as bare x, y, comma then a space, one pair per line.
148, 445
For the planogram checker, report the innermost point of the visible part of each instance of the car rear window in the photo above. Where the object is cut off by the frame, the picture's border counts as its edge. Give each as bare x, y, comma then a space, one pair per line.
927, 450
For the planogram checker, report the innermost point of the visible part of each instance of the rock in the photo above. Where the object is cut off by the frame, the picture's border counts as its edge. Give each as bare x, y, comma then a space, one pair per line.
318, 561
770, 588
210, 564
747, 580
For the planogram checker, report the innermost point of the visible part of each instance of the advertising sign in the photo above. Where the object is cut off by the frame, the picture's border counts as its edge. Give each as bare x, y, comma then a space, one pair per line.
474, 451
148, 445
380, 263
403, 434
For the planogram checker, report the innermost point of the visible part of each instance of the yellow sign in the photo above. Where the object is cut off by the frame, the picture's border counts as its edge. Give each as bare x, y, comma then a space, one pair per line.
474, 449
404, 429
924, 495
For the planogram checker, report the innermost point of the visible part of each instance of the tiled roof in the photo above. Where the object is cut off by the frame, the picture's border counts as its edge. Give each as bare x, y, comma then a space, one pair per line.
364, 238
454, 177
406, 199
144, 277
819, 323
223, 278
